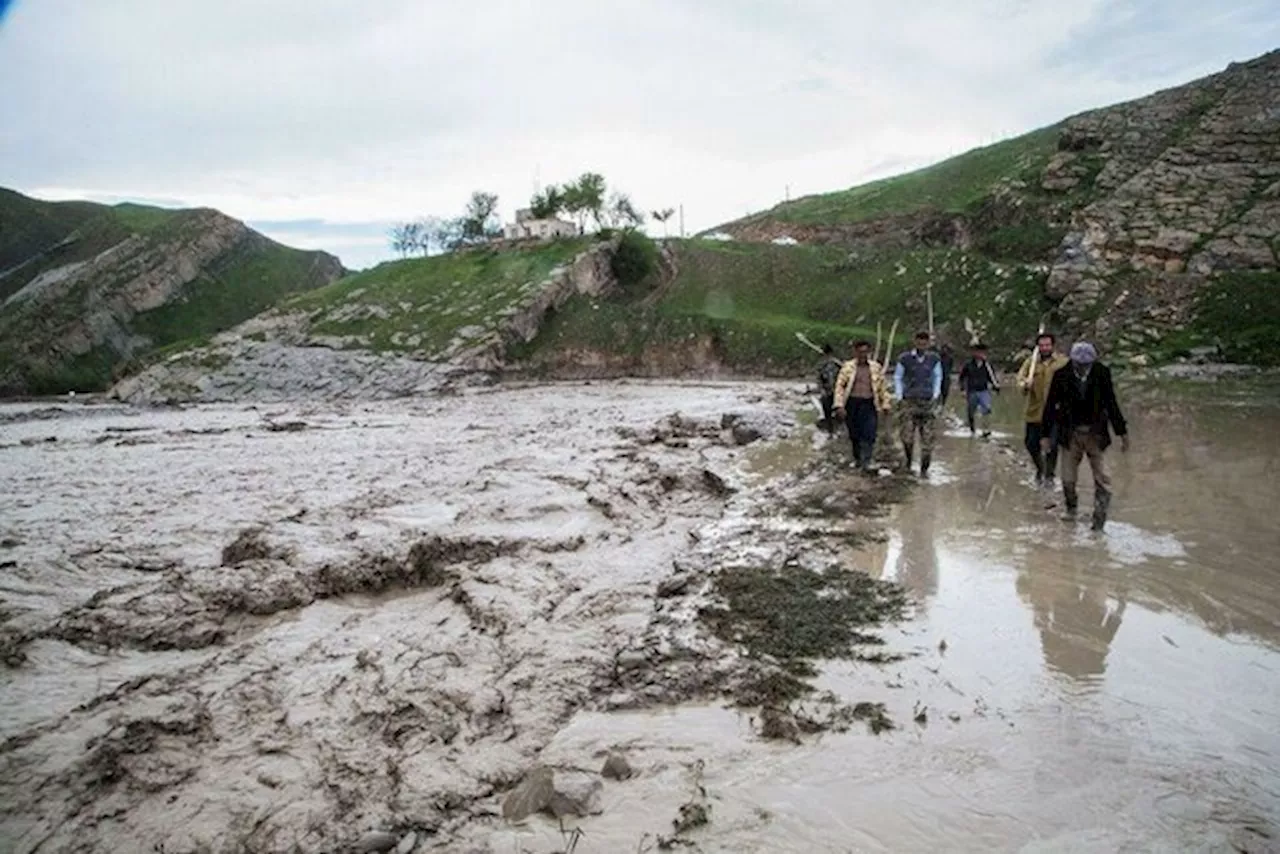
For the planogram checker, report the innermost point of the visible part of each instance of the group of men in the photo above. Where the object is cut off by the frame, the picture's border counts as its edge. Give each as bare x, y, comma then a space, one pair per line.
1070, 408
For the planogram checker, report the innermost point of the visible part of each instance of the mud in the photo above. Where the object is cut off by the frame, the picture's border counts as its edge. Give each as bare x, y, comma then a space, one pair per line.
425, 601
237, 636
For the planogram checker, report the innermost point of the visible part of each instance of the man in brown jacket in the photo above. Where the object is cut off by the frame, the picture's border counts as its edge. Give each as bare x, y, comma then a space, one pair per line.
1033, 382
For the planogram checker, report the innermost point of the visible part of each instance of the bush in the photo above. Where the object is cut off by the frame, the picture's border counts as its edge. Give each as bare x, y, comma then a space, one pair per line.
635, 259
1241, 311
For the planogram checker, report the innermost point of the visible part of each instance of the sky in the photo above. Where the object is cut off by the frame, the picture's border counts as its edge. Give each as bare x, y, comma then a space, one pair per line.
322, 122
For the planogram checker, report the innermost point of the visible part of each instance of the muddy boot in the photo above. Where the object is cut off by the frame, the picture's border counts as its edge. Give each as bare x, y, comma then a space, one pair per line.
867, 454
909, 451
1071, 500
1101, 502
925, 459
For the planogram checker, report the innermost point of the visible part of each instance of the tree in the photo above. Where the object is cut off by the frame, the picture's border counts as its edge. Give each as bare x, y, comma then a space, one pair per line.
405, 237
662, 216
591, 191
479, 223
447, 234
548, 203
621, 213
428, 234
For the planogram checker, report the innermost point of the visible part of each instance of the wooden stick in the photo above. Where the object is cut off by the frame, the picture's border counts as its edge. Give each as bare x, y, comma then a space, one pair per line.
879, 337
888, 347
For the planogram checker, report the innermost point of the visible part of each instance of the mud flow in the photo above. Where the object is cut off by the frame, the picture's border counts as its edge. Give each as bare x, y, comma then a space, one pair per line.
628, 617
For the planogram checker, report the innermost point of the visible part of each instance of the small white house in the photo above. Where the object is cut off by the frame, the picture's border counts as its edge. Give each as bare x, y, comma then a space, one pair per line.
527, 227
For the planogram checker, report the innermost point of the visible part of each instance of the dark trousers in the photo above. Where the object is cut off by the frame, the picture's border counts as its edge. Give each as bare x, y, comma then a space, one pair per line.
861, 418
1046, 464
828, 408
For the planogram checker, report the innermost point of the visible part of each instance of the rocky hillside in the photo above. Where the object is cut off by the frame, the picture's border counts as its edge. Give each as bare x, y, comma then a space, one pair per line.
85, 288
400, 328
1153, 226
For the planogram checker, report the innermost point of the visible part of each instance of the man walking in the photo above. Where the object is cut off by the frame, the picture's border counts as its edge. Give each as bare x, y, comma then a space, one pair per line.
948, 362
861, 395
1080, 409
828, 371
917, 386
1033, 382
978, 381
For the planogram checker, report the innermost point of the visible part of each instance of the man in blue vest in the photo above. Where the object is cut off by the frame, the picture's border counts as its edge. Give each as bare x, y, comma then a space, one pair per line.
917, 386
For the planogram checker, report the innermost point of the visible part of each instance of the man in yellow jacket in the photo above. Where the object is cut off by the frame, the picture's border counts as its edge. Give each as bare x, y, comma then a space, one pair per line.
1033, 381
861, 395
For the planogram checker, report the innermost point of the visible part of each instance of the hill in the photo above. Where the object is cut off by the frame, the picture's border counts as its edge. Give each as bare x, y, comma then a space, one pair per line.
84, 287
1157, 220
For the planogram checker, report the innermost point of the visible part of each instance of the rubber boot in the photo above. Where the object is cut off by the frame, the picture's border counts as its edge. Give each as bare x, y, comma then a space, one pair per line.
925, 459
1072, 500
1101, 503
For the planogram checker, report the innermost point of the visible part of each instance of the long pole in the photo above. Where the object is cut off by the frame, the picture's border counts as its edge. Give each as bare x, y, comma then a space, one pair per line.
879, 337
682, 221
929, 296
888, 347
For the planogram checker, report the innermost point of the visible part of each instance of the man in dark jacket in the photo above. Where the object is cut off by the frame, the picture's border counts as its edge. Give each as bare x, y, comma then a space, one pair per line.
1080, 411
978, 382
828, 371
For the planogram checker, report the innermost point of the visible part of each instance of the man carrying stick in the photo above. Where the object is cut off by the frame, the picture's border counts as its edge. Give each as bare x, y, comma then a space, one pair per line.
1033, 382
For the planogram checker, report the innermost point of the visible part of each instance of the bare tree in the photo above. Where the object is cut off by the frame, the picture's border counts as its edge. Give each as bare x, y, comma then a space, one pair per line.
404, 237
621, 213
662, 216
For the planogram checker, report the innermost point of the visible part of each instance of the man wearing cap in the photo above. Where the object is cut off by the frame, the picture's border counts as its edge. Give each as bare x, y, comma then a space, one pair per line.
917, 386
1080, 412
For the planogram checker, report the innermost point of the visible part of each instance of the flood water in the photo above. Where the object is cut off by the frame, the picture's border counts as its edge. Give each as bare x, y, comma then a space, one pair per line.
1112, 692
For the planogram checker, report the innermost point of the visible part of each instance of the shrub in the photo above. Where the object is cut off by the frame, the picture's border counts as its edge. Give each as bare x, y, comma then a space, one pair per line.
635, 259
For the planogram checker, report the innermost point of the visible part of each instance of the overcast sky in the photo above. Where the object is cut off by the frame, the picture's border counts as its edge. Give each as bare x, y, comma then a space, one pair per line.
321, 121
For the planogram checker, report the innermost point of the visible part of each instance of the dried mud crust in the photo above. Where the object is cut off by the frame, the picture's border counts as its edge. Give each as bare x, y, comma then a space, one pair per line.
323, 676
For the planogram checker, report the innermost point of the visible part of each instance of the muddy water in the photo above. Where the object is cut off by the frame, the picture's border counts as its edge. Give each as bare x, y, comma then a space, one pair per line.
1066, 691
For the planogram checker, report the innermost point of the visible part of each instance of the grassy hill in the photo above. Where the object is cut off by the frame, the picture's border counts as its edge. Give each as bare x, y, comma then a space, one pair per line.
84, 288
423, 305
741, 305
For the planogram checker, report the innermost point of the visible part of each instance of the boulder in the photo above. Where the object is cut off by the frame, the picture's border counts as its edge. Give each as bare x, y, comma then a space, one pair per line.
616, 767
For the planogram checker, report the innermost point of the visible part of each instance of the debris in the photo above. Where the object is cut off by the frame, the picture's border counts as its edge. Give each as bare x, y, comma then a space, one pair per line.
673, 585
616, 767
575, 793
716, 484
921, 714
249, 544
691, 815
942, 646
378, 840
286, 426
532, 794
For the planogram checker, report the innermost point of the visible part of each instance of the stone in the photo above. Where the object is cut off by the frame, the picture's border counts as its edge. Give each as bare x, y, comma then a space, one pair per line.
616, 767
377, 840
744, 433
532, 794
1141, 360
576, 794
408, 842
673, 586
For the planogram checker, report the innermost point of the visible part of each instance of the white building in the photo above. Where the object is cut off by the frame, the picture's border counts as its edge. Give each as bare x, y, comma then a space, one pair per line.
527, 227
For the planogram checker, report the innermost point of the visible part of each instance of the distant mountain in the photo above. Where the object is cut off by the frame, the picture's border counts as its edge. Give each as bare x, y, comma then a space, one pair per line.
85, 288
1152, 226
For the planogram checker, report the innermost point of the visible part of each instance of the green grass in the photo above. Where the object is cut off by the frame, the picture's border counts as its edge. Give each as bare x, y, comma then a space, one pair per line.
952, 185
1242, 312
420, 304
747, 301
37, 237
241, 284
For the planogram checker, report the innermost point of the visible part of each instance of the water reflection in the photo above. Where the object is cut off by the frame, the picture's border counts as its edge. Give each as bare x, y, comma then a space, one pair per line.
1077, 618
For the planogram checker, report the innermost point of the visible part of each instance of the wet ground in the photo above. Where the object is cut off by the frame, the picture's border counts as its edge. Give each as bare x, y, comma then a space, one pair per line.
1066, 691
435, 595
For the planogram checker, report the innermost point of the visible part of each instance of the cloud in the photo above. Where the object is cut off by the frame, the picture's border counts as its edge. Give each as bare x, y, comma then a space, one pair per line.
348, 111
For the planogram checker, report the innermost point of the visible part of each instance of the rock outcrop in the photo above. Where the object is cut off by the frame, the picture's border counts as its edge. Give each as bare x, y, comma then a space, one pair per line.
279, 355
1188, 185
113, 288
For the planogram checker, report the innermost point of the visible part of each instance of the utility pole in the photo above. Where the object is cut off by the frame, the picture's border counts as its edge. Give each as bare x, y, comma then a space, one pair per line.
682, 221
787, 193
